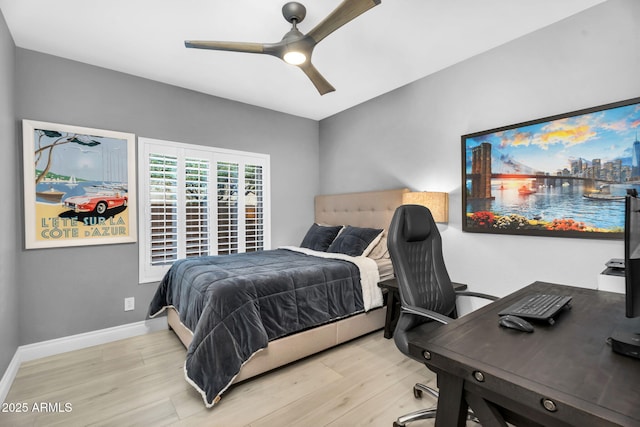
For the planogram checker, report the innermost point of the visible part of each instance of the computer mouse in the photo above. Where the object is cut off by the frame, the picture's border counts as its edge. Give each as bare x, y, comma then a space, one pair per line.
515, 322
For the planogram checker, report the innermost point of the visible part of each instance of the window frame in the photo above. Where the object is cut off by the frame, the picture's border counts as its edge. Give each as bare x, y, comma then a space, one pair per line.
152, 273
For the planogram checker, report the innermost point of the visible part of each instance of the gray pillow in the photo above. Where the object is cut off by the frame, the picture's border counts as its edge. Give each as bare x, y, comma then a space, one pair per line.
355, 241
319, 237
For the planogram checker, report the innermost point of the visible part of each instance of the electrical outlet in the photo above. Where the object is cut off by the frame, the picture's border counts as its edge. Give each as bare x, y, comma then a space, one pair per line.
129, 304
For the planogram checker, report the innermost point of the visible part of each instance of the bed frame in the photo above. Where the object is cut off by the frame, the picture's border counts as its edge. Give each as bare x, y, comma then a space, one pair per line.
369, 209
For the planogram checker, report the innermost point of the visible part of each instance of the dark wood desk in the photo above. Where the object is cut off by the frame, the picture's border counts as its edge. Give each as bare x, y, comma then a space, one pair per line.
393, 303
560, 375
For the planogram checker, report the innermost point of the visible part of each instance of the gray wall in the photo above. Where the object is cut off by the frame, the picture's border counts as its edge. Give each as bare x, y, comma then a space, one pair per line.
66, 291
9, 176
411, 136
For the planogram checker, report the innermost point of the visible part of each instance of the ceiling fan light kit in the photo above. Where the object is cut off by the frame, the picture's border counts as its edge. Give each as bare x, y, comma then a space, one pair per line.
296, 48
294, 58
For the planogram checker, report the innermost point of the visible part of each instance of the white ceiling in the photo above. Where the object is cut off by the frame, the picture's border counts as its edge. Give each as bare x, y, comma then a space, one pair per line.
389, 46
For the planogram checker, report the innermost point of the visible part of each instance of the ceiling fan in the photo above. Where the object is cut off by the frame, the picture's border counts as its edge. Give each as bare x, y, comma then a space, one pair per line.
295, 48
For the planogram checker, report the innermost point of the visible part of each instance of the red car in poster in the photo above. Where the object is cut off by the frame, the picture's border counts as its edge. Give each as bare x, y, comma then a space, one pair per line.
96, 202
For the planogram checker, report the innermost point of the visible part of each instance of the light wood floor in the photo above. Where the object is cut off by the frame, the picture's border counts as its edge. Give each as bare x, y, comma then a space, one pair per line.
140, 382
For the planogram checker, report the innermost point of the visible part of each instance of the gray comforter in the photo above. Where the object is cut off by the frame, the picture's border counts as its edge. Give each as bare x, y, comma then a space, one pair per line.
235, 304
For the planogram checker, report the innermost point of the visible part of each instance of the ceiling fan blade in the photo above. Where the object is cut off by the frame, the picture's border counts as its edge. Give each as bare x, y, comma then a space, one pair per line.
347, 11
316, 78
229, 46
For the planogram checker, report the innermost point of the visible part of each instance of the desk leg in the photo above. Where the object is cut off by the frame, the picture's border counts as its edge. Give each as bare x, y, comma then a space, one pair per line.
392, 313
486, 412
452, 408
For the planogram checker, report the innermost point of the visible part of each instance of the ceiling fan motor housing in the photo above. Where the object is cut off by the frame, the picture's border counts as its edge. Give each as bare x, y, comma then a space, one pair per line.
294, 11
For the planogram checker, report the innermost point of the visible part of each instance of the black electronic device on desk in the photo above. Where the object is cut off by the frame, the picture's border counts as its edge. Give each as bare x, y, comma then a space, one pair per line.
514, 322
615, 263
626, 338
540, 307
615, 267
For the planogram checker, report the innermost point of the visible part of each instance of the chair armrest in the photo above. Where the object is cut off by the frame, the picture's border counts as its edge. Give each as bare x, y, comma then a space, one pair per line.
426, 313
477, 294
459, 286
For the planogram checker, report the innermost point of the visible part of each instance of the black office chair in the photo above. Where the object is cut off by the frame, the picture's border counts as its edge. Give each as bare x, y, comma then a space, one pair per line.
427, 297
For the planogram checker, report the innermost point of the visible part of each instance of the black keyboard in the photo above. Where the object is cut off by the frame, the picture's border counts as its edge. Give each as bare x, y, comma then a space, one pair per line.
538, 307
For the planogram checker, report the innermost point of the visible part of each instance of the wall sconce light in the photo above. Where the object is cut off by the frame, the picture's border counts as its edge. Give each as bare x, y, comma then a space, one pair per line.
437, 202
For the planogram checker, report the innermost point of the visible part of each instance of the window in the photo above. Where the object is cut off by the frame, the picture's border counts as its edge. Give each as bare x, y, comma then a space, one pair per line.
198, 200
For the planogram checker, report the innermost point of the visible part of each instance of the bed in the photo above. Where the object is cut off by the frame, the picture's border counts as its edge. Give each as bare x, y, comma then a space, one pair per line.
245, 330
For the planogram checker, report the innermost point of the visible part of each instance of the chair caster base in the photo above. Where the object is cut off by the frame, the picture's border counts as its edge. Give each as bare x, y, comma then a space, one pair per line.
421, 414
419, 389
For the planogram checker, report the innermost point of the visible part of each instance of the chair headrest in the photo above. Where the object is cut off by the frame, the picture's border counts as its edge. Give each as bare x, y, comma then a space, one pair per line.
417, 223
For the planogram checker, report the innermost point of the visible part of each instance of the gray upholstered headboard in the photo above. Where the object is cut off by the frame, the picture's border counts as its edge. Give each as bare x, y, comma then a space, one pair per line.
372, 209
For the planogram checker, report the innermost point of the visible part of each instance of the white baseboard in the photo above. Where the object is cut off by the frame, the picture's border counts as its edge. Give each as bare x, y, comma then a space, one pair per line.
28, 352
9, 375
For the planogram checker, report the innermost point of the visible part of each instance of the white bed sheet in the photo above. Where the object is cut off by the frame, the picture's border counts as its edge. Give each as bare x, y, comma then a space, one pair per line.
369, 275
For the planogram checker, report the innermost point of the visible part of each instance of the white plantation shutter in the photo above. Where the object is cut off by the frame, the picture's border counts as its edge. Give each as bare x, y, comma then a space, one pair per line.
199, 201
241, 207
197, 222
254, 208
228, 182
163, 207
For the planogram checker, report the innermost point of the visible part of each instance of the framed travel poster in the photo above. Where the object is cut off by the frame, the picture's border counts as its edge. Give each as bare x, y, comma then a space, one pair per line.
79, 186
561, 176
